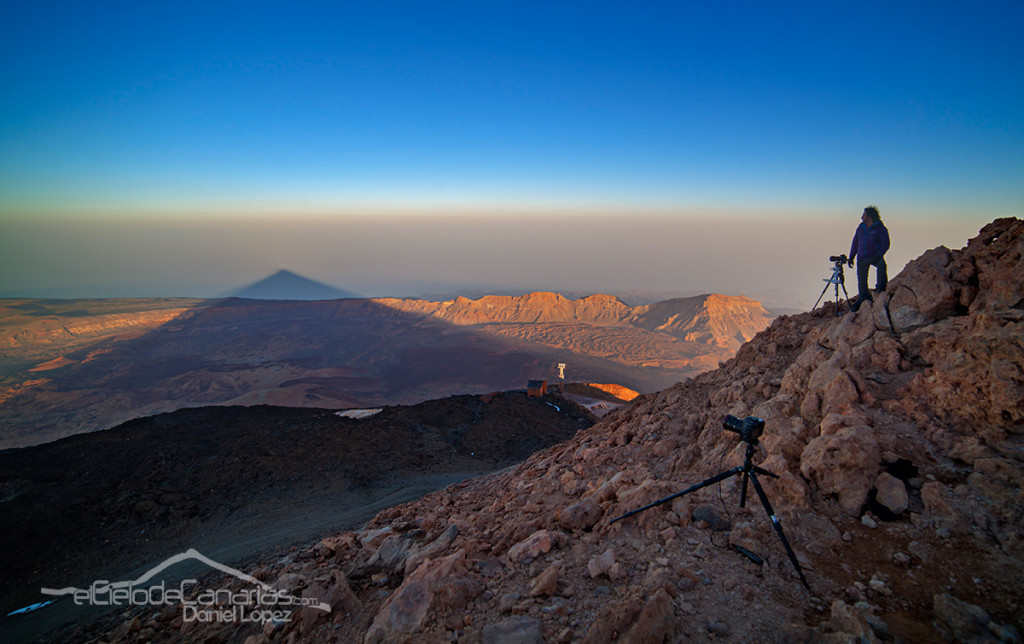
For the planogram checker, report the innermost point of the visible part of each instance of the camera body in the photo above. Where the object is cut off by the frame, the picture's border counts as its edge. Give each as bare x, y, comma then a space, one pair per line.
838, 259
749, 428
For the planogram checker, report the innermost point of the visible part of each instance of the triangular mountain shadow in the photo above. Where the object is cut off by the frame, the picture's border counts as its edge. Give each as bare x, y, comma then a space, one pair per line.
286, 285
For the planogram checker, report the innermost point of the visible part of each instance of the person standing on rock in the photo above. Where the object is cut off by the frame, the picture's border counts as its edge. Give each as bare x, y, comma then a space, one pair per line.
870, 243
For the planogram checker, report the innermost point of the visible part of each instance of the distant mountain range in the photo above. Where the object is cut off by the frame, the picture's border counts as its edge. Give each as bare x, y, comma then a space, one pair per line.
70, 366
720, 320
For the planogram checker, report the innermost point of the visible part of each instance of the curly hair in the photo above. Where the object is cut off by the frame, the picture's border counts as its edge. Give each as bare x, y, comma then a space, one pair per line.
873, 213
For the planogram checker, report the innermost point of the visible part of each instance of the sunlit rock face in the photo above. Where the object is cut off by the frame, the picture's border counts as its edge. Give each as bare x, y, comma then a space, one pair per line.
721, 319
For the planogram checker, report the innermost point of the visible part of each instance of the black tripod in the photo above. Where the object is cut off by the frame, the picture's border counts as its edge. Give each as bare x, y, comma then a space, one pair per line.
838, 279
749, 430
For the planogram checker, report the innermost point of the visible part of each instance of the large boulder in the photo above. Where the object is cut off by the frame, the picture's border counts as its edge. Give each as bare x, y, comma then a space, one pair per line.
845, 464
998, 254
435, 585
923, 292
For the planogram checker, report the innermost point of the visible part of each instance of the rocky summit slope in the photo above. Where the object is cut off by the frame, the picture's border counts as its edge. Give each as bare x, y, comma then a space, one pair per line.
896, 434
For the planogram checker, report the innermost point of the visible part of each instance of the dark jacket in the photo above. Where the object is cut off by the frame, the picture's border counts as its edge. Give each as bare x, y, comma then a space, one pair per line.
870, 242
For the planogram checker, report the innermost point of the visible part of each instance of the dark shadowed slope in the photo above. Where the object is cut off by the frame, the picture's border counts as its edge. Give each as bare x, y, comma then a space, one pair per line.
98, 505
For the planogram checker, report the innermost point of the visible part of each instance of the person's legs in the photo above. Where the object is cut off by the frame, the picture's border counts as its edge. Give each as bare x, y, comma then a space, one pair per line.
863, 293
882, 276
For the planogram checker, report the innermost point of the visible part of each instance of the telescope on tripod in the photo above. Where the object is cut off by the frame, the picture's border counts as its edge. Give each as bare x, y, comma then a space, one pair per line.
749, 429
837, 279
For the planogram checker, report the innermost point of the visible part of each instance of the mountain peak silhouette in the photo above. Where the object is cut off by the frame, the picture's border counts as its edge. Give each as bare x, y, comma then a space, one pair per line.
286, 285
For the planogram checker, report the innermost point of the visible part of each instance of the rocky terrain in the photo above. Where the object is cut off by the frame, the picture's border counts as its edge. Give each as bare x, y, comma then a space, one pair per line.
70, 366
896, 436
37, 331
233, 480
712, 320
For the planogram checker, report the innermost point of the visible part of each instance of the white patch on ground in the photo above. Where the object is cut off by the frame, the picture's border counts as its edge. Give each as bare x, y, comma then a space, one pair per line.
358, 413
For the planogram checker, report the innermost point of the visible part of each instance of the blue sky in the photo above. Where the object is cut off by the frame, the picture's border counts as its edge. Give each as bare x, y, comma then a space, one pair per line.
759, 110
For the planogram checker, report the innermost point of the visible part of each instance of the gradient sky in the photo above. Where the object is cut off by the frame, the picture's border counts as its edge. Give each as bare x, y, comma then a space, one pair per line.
187, 148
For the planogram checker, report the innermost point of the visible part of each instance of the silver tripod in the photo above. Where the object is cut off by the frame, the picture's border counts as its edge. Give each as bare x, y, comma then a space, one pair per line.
838, 279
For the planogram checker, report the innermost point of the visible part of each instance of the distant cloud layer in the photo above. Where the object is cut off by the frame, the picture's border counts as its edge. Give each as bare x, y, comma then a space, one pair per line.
781, 262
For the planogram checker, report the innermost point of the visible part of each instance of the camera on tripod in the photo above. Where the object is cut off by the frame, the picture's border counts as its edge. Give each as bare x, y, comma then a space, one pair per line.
837, 279
749, 428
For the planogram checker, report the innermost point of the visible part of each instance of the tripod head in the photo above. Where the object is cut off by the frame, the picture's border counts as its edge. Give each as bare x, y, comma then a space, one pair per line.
838, 262
749, 428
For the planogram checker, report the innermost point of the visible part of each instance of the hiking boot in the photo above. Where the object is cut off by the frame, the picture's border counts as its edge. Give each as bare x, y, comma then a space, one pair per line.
856, 305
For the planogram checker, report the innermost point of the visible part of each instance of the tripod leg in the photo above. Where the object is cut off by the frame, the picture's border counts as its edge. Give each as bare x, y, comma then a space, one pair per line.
693, 488
822, 294
778, 528
748, 465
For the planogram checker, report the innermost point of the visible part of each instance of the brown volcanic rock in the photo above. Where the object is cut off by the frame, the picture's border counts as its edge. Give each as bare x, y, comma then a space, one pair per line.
435, 585
979, 409
844, 464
